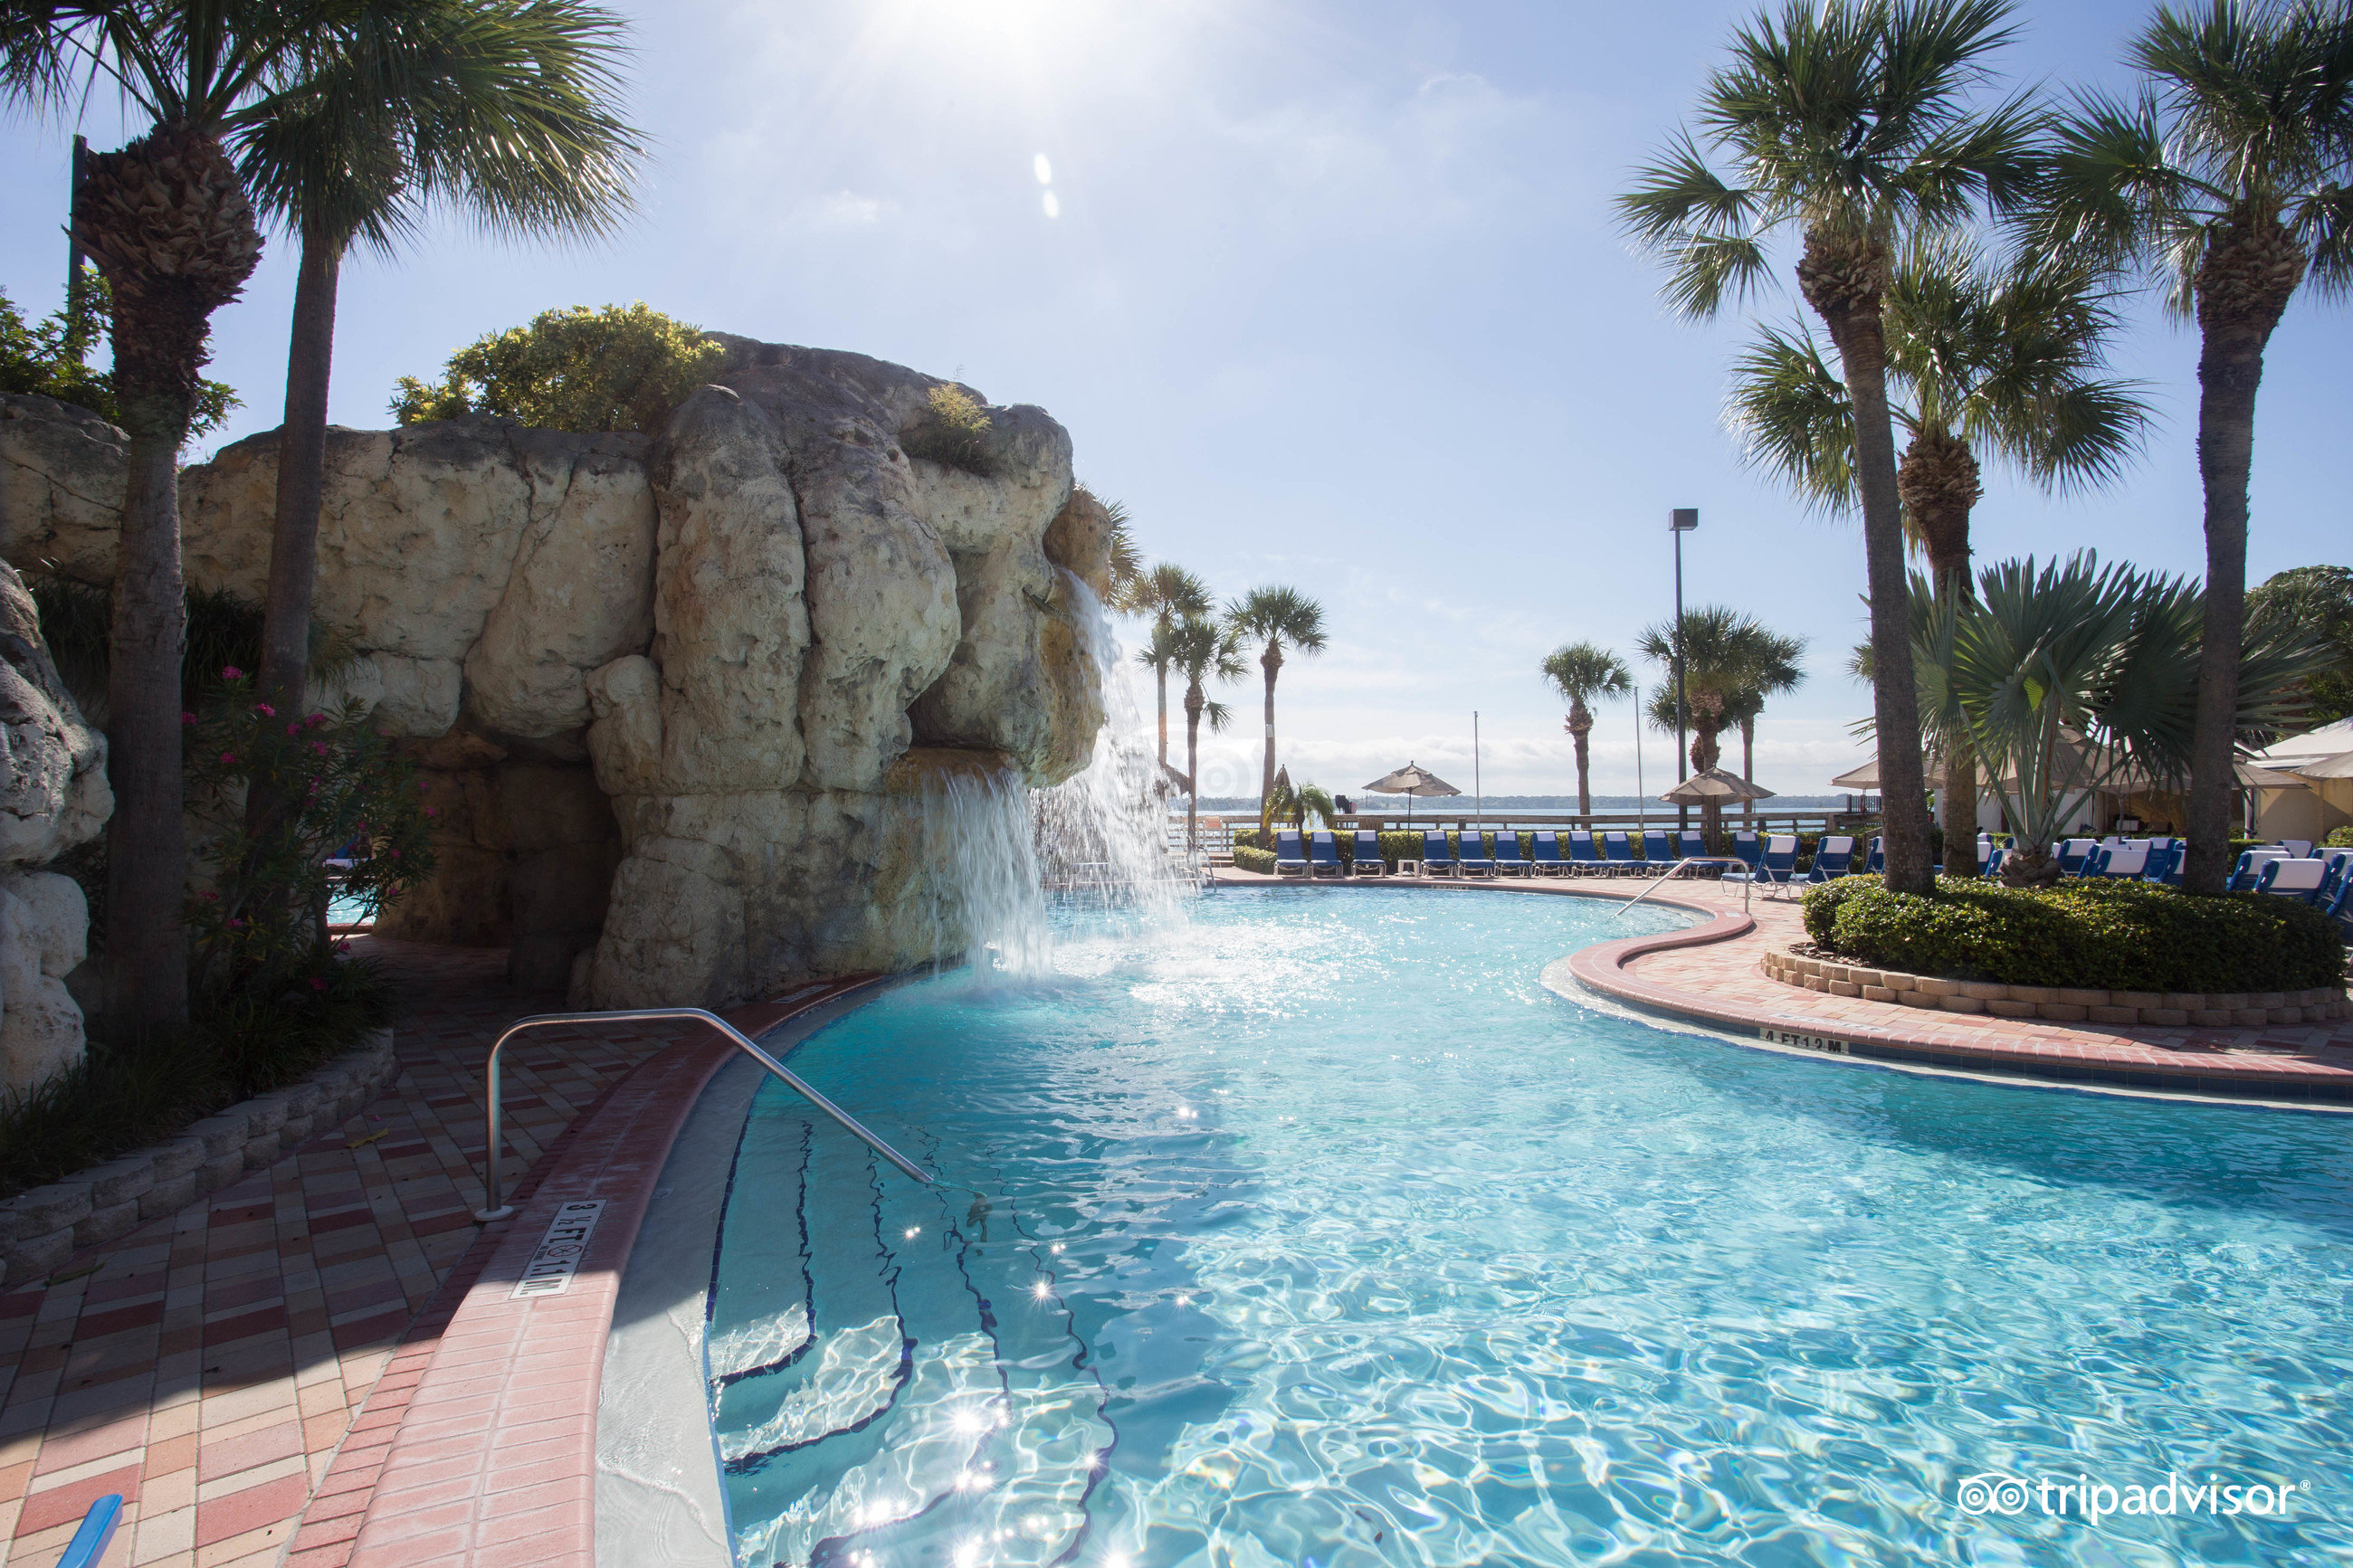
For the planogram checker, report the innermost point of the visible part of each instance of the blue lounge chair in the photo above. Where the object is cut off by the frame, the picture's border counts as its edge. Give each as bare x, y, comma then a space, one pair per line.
1582, 860
1691, 845
2072, 853
1437, 859
2291, 878
1290, 860
1508, 860
1876, 861
2340, 907
2336, 864
1993, 860
1618, 854
2297, 848
2250, 869
1832, 856
1324, 855
1368, 862
1747, 847
1775, 866
2164, 862
1474, 854
2125, 862
1547, 861
1659, 850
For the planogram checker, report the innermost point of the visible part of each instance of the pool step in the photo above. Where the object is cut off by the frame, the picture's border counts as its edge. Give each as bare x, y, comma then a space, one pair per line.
940, 1400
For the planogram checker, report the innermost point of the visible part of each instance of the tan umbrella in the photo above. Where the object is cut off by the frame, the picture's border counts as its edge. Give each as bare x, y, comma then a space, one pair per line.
1863, 777
1410, 781
1714, 784
2339, 767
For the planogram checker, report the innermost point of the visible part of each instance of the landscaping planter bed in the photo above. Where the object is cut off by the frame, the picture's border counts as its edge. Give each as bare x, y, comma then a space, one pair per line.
2176, 1009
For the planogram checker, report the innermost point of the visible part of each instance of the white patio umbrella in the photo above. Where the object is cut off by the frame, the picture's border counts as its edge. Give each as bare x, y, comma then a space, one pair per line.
1717, 784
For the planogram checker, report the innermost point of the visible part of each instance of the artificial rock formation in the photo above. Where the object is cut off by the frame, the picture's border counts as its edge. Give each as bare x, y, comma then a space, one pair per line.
681, 698
53, 796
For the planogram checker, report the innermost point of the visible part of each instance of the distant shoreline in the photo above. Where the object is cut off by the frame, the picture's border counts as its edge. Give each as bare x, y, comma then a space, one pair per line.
1454, 806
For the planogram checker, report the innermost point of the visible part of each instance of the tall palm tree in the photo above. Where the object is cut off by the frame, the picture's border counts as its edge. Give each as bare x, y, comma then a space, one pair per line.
1582, 673
1988, 360
1774, 672
2230, 178
1203, 650
1728, 660
504, 109
1167, 594
1846, 122
1273, 617
168, 223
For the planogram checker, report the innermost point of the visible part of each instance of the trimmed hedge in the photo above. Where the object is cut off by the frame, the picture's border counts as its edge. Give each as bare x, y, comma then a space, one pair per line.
1249, 860
2104, 935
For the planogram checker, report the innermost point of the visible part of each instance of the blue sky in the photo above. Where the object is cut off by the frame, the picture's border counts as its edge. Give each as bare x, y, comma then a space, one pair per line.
1329, 294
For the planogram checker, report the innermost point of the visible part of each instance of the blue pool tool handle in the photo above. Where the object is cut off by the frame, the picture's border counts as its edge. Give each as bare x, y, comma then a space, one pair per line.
97, 1531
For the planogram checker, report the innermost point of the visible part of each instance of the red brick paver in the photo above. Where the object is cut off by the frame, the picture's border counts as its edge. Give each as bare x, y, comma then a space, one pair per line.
208, 1365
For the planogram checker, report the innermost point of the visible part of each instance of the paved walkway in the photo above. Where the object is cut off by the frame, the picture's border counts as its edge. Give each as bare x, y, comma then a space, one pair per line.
1720, 981
208, 1365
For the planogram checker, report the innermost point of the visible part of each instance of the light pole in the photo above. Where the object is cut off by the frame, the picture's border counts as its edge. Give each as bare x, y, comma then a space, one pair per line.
1679, 522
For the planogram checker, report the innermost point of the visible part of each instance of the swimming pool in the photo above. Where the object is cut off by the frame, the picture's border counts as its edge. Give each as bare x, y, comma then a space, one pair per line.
1319, 1232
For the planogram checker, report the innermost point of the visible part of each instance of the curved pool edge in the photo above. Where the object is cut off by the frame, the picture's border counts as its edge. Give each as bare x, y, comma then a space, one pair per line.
2292, 1084
479, 1441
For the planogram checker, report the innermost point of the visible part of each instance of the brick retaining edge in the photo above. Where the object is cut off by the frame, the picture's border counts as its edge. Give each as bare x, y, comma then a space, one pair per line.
42, 1226
2171, 1009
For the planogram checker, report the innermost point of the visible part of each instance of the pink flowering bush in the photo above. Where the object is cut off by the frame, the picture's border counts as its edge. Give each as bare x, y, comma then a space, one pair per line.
346, 819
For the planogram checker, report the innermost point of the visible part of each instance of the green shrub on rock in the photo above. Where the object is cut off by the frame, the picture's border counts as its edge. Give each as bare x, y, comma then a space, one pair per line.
2116, 936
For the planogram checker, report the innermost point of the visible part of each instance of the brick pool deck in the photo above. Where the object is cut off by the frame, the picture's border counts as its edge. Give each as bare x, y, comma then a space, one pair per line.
1711, 974
208, 1365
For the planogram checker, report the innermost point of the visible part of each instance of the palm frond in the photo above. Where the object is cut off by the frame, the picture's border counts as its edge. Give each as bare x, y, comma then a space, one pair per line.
1790, 412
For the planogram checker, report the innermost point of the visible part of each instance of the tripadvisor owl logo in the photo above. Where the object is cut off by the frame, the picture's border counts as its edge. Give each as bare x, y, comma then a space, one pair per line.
2082, 1496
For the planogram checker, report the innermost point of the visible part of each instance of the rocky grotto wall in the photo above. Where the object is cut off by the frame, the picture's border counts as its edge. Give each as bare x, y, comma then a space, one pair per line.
680, 697
53, 796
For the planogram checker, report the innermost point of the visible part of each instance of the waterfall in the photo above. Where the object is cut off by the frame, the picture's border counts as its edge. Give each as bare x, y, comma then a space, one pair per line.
1097, 840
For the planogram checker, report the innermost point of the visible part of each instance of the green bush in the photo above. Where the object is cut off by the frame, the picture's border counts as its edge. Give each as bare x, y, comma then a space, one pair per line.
1249, 860
2340, 838
2117, 936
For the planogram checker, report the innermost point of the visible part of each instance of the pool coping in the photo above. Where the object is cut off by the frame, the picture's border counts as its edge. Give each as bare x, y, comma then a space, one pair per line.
477, 1444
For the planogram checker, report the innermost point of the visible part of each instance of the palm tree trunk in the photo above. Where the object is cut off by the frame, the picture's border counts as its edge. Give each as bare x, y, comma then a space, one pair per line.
1193, 773
1939, 484
301, 476
1749, 764
146, 964
1272, 662
1842, 281
1160, 679
2243, 286
301, 488
1580, 725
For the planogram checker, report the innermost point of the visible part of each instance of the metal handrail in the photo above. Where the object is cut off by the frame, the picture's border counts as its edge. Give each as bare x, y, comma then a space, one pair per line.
1688, 860
492, 1209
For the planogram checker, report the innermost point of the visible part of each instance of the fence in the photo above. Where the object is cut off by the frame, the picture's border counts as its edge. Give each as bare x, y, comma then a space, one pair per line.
1217, 832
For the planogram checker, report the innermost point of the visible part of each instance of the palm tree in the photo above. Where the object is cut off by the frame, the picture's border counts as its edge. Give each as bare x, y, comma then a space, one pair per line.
1845, 121
1773, 671
504, 109
1988, 361
2228, 179
1583, 673
1729, 659
168, 223
1166, 594
1204, 651
1272, 617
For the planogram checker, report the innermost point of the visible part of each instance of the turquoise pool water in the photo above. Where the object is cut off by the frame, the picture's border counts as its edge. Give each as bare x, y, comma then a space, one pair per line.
1321, 1233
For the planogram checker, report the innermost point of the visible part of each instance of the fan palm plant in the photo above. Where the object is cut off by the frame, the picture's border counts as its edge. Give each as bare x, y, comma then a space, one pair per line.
1846, 122
504, 109
1987, 361
2229, 178
1166, 594
1202, 650
168, 223
1295, 805
1275, 619
1583, 673
2068, 676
